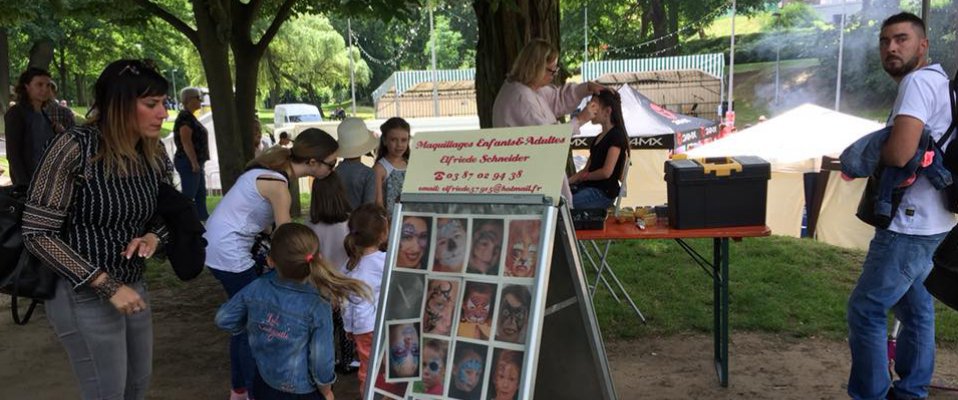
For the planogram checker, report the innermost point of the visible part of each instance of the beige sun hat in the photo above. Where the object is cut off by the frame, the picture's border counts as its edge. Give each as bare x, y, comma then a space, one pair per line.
354, 138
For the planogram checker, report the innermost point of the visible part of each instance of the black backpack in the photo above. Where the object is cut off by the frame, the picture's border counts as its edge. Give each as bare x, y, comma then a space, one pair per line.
23, 275
951, 151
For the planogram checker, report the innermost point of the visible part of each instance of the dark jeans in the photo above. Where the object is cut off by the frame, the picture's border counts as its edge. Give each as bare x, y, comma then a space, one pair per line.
111, 353
193, 184
263, 391
242, 365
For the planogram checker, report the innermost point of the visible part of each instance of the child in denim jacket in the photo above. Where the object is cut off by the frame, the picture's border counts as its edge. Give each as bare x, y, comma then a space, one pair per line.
368, 230
288, 317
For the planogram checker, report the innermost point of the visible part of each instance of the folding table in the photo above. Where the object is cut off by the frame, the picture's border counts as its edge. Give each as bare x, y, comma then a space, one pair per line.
717, 268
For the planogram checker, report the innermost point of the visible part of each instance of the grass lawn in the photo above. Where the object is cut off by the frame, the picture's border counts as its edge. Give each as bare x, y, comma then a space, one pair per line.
743, 25
779, 285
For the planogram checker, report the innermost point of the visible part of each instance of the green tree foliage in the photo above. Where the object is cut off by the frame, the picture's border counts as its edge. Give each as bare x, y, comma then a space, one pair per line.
309, 59
623, 29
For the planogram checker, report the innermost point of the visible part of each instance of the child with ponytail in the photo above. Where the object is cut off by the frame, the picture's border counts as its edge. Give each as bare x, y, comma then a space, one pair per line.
288, 317
368, 230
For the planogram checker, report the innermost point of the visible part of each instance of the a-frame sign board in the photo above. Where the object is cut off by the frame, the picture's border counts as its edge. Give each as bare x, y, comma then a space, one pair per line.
483, 297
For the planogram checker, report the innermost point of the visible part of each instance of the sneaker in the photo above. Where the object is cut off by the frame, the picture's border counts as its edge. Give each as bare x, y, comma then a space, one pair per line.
240, 394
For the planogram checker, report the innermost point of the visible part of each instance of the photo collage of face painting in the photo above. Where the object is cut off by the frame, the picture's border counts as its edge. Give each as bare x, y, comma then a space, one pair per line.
457, 307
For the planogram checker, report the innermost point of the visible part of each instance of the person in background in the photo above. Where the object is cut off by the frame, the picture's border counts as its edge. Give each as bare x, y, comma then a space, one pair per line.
60, 115
90, 215
259, 199
391, 159
900, 255
27, 125
529, 98
597, 185
287, 316
284, 140
192, 150
355, 140
368, 230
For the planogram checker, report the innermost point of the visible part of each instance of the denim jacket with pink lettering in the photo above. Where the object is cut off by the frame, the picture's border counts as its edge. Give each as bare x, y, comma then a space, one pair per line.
290, 329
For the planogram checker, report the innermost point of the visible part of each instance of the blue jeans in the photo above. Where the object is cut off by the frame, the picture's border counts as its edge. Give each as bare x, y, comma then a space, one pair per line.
242, 365
111, 353
590, 197
893, 278
193, 184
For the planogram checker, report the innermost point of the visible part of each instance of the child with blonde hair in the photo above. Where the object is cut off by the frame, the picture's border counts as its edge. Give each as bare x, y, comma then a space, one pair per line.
288, 317
368, 230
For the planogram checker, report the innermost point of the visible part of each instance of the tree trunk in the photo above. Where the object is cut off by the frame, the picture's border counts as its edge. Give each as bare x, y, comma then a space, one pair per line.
80, 89
63, 88
41, 54
503, 31
275, 80
216, 64
660, 22
4, 71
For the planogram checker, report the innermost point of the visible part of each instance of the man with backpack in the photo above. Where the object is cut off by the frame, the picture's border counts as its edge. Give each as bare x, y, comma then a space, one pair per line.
900, 255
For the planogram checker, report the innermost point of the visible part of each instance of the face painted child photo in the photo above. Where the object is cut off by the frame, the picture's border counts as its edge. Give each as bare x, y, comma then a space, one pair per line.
450, 245
434, 361
413, 242
393, 388
522, 250
504, 379
486, 250
405, 296
440, 307
467, 370
403, 351
475, 318
513, 316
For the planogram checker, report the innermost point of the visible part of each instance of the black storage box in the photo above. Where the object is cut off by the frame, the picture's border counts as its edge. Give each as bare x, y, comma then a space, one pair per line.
587, 219
717, 192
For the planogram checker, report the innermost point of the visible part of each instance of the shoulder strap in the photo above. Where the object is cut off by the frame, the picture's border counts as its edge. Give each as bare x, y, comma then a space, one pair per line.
953, 99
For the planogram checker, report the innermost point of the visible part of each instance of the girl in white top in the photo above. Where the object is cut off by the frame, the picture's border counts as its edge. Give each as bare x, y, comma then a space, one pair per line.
259, 199
368, 230
391, 159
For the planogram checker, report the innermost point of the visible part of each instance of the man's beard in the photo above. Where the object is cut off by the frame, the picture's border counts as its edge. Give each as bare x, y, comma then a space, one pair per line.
905, 68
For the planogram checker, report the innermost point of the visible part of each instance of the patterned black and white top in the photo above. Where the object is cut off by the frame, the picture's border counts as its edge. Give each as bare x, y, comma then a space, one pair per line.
79, 221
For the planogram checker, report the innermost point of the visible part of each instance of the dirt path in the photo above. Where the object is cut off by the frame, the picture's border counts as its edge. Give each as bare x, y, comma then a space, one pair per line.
191, 362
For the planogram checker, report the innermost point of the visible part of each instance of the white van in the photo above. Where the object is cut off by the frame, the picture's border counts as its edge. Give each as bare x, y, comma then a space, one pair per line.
287, 114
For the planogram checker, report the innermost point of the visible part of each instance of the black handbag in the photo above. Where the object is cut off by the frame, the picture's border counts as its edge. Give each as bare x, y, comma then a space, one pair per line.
21, 273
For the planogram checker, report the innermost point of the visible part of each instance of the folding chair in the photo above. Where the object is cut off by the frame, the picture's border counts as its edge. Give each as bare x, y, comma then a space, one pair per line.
602, 267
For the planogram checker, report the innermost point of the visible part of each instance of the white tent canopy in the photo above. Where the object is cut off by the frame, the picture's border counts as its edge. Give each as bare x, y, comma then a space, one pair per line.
794, 143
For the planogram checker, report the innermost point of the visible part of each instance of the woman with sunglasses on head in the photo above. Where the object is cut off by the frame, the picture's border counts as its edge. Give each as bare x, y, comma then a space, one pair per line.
529, 98
91, 216
259, 199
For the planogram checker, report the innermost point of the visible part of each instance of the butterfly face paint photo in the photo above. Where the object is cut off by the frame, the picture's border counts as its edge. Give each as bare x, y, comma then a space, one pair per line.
450, 245
523, 248
513, 314
403, 350
413, 242
441, 296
